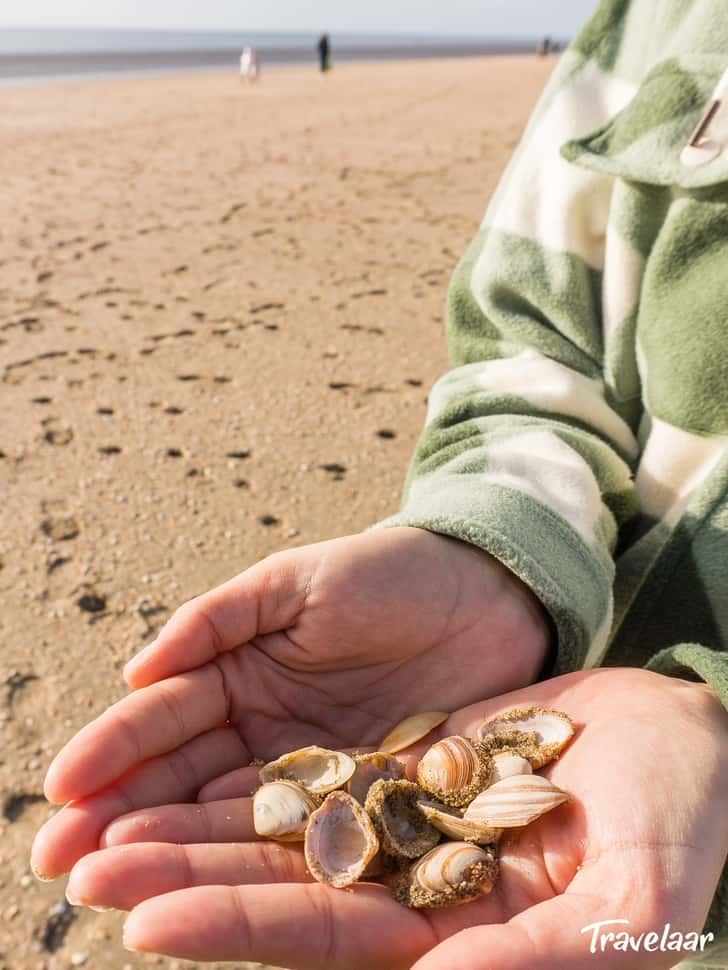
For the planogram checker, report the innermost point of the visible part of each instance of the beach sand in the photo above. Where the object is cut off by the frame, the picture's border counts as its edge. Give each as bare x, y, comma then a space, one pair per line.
221, 309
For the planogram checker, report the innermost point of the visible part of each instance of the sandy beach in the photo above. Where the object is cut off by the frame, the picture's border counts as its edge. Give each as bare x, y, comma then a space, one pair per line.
221, 309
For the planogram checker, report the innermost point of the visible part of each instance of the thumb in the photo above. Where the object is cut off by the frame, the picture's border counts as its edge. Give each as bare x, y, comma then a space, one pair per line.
266, 597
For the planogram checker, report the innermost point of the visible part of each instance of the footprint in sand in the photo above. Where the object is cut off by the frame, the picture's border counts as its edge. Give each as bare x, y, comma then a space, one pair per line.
386, 433
240, 483
109, 450
268, 520
336, 470
173, 453
104, 410
188, 377
237, 454
91, 602
173, 409
58, 436
61, 529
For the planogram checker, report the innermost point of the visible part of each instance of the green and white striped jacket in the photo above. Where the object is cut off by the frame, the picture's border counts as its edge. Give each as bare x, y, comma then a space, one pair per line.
581, 435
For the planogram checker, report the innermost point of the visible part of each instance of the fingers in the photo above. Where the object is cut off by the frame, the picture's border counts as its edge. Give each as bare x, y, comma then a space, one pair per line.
123, 876
224, 821
235, 784
306, 926
143, 725
174, 777
264, 598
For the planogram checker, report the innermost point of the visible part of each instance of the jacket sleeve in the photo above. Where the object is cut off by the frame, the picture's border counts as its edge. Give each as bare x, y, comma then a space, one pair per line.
524, 453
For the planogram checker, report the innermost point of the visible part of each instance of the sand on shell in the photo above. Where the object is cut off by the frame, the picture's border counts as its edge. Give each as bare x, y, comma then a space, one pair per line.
221, 309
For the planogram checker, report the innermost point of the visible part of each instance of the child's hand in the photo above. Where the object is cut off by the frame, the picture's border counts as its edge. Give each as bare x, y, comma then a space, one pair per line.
329, 644
643, 839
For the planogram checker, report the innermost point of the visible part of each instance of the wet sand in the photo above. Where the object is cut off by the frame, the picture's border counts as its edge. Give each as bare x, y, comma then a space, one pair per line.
221, 309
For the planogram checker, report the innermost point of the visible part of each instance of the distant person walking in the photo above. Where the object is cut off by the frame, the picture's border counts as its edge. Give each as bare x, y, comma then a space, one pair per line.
249, 66
324, 50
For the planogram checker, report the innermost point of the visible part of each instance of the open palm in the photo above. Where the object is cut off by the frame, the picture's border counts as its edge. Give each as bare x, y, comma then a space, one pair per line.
327, 644
643, 839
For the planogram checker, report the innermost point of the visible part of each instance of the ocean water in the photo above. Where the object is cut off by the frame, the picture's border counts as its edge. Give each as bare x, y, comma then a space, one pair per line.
44, 54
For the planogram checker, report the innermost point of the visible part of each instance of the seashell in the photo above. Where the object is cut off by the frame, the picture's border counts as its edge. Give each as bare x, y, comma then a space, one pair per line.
553, 730
454, 825
318, 770
449, 874
509, 763
411, 730
403, 830
281, 810
455, 770
340, 840
515, 801
371, 768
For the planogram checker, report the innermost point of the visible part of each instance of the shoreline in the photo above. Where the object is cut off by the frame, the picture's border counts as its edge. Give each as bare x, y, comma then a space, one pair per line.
32, 68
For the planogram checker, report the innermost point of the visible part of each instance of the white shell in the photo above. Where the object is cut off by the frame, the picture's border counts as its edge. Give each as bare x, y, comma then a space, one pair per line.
281, 810
515, 801
370, 768
318, 770
553, 730
340, 841
445, 866
454, 825
508, 763
411, 730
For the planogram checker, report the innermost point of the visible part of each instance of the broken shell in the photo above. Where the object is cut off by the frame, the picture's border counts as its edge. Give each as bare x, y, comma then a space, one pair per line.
553, 730
455, 770
508, 763
340, 840
403, 830
515, 801
411, 730
371, 768
454, 825
281, 810
318, 770
449, 874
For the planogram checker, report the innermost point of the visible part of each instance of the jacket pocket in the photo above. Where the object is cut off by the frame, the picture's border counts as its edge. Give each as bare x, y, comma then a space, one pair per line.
644, 142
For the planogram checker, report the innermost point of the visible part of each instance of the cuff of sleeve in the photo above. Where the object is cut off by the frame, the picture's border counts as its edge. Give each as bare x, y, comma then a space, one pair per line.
572, 579
691, 661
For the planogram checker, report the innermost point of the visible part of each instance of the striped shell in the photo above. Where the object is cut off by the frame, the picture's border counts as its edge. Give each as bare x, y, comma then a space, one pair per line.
455, 770
553, 730
340, 841
447, 875
515, 801
318, 770
281, 810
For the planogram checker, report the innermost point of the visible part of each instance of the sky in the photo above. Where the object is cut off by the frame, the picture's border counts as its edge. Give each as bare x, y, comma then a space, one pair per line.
504, 18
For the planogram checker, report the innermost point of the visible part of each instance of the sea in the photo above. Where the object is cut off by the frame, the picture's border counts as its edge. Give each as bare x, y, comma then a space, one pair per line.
33, 55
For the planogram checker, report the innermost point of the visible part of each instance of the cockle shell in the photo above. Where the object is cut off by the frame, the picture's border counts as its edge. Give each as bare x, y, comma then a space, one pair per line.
447, 875
450, 823
515, 801
371, 768
455, 770
281, 810
553, 730
411, 730
318, 770
340, 840
508, 763
403, 830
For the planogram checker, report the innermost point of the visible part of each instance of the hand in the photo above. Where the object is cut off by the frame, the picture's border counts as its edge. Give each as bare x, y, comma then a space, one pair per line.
643, 838
327, 644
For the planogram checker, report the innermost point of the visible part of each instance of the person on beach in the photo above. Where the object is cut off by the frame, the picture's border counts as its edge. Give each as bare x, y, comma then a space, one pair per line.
324, 53
248, 66
562, 541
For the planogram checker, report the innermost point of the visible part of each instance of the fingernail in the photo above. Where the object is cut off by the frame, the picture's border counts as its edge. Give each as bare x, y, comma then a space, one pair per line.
40, 876
72, 899
101, 909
